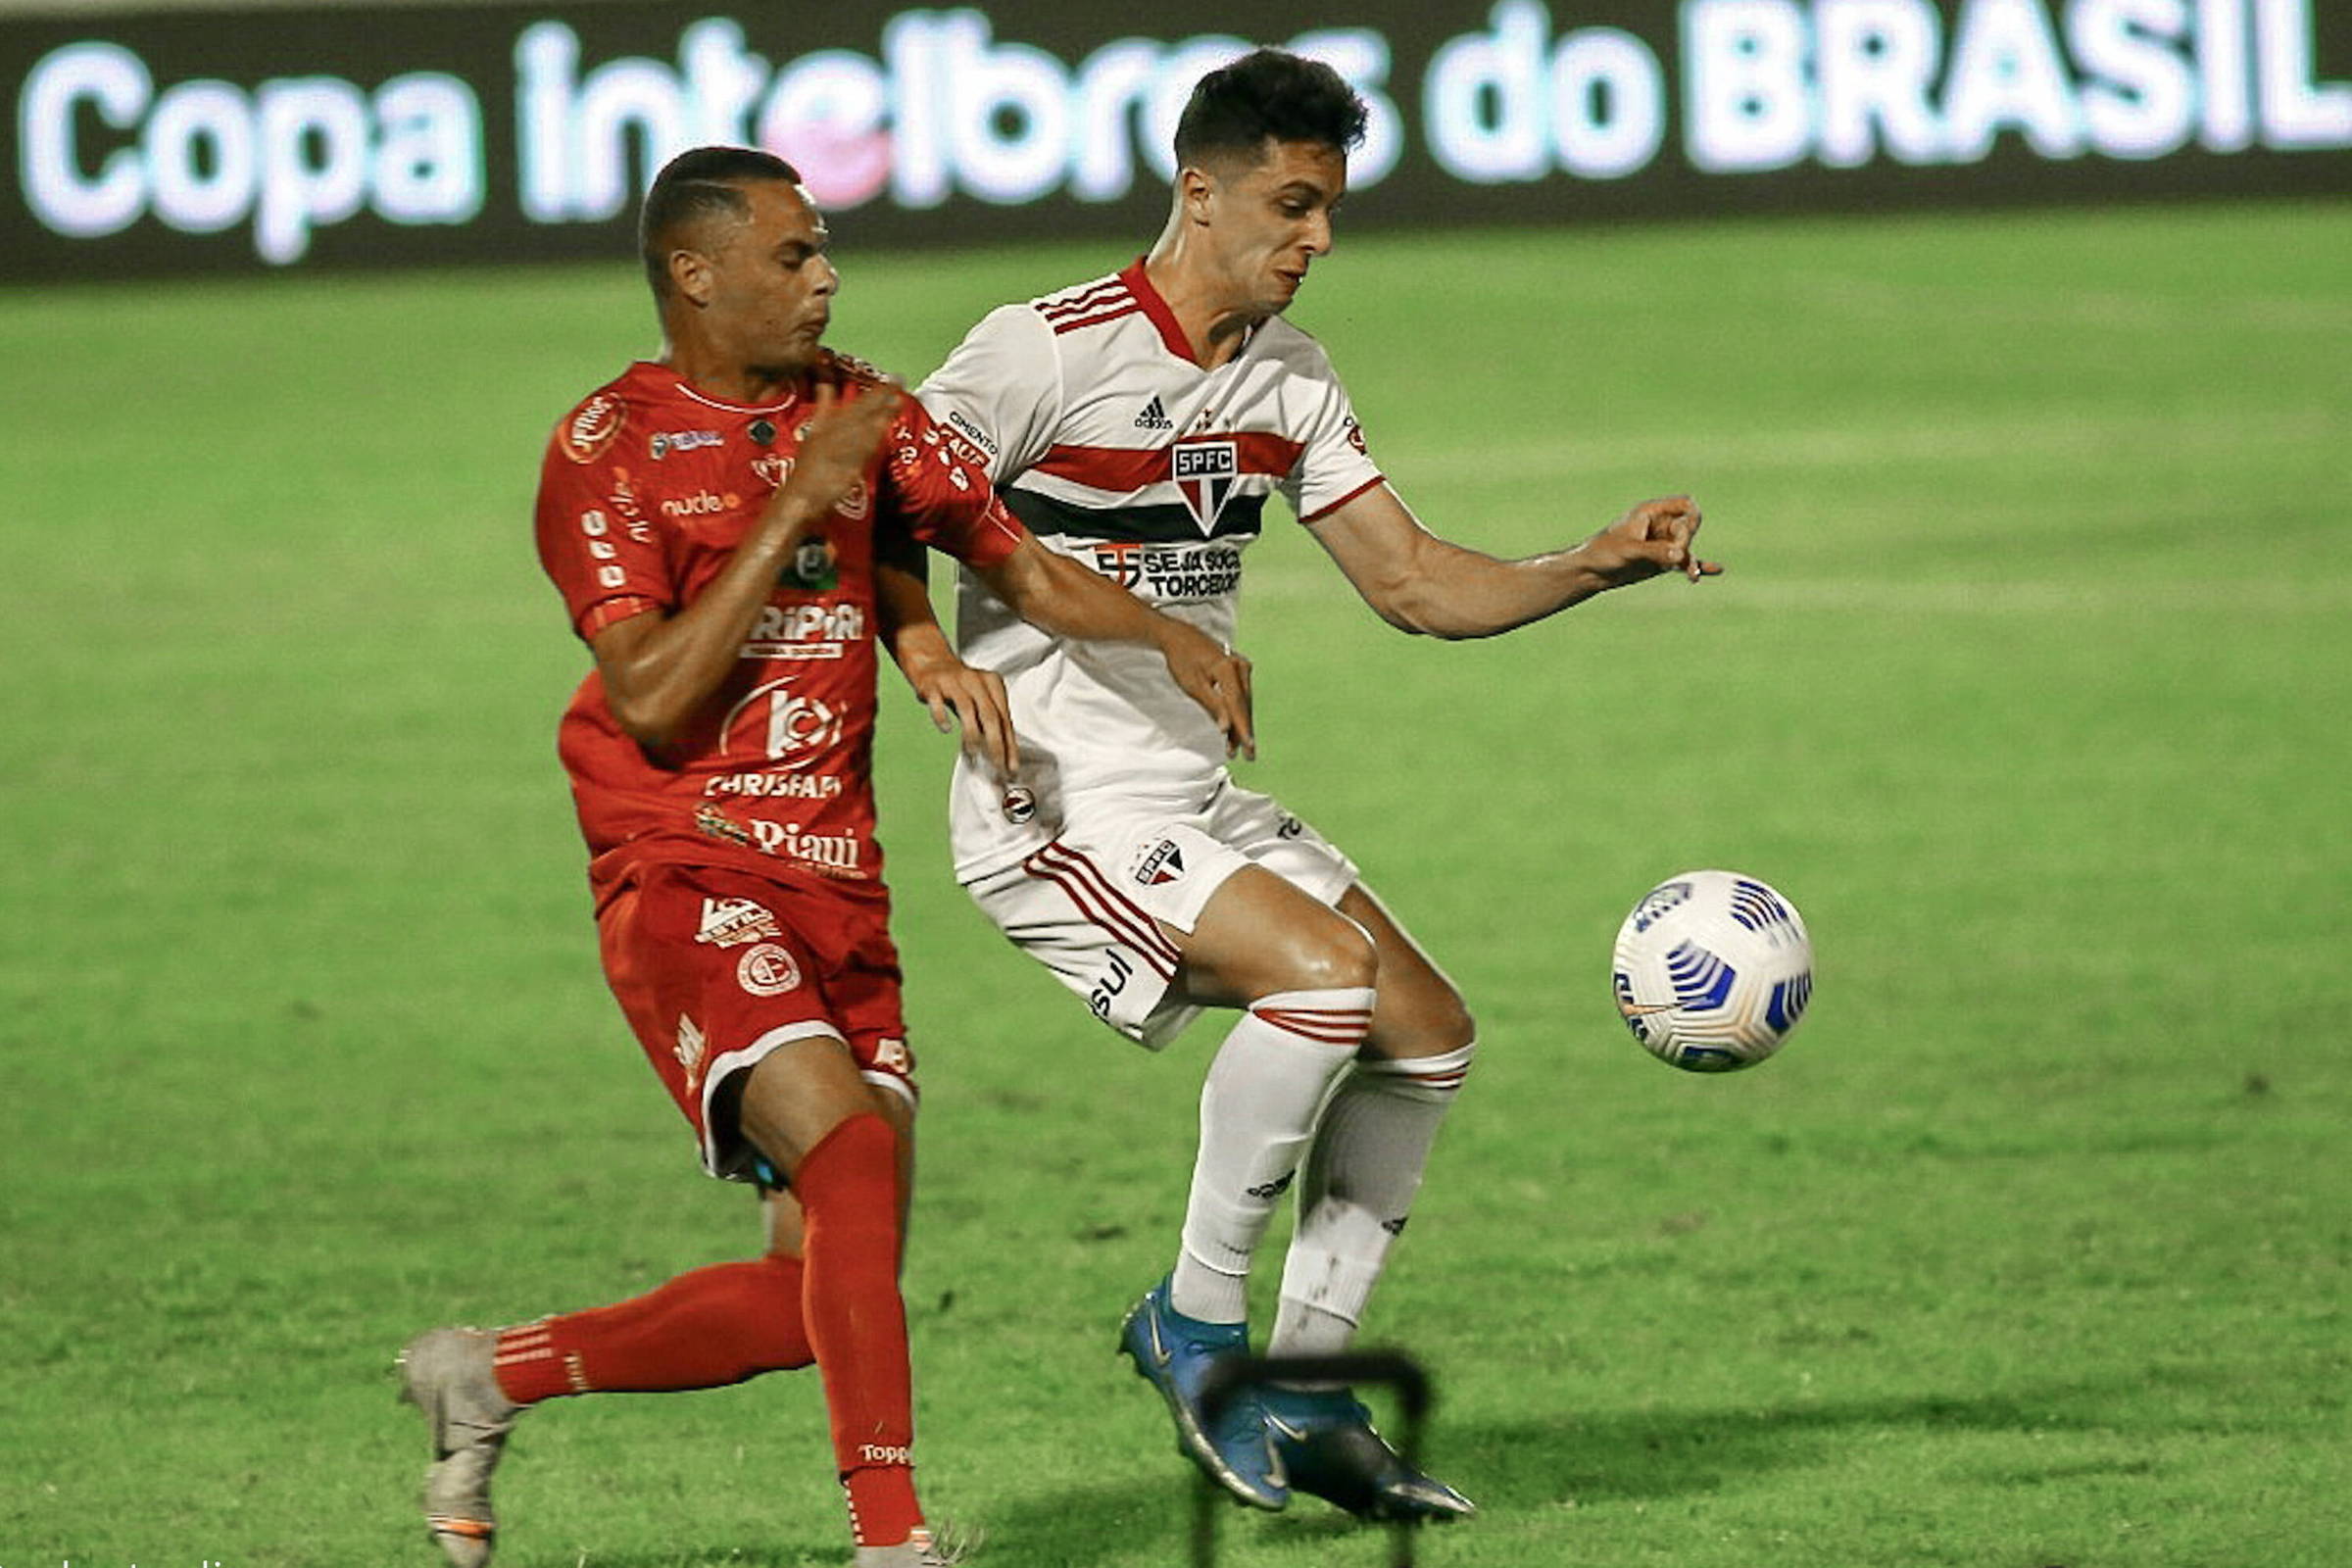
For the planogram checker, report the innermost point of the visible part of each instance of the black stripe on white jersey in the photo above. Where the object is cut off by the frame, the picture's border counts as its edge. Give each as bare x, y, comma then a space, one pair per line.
1170, 524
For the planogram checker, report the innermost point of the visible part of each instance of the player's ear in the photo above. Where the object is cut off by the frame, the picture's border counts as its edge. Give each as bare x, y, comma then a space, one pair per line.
1196, 191
690, 276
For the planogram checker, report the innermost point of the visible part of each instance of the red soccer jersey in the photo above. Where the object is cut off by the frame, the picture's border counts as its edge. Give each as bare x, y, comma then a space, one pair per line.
646, 490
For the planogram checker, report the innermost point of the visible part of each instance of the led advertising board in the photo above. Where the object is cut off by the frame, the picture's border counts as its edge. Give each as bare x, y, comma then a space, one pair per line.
179, 142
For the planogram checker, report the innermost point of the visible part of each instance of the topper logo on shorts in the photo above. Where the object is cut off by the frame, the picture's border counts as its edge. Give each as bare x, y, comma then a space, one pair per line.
591, 428
767, 970
1160, 866
1204, 472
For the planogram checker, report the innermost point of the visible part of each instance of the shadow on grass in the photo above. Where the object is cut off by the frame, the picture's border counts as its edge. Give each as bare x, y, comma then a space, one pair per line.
1652, 1455
1544, 1462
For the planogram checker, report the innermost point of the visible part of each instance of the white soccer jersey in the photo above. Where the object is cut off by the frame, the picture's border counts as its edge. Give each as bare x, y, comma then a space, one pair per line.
1120, 451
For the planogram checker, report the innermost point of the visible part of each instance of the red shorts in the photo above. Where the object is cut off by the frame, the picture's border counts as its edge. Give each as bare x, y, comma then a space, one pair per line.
716, 969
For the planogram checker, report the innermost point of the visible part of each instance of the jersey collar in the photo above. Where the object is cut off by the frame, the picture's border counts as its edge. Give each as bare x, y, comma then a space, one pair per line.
1158, 310
665, 379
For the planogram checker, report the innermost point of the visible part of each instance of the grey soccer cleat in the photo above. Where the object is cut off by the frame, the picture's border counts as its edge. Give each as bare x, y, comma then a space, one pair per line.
446, 1374
1329, 1450
923, 1549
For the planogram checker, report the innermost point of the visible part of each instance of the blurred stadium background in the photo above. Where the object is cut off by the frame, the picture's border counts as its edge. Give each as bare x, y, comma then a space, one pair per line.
2008, 344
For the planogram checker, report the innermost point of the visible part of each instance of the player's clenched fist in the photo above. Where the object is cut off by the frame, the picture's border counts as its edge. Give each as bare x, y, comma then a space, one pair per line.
1652, 538
844, 433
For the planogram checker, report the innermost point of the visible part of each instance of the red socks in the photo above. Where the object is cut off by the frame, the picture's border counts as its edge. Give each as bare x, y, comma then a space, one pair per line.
849, 1191
838, 1306
703, 1330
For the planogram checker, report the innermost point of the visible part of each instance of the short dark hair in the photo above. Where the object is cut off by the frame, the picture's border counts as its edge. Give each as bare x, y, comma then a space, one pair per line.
693, 187
1269, 93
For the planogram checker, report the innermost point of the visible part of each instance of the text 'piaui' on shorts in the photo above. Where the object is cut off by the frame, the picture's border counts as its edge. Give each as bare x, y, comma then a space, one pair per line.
716, 970
1087, 905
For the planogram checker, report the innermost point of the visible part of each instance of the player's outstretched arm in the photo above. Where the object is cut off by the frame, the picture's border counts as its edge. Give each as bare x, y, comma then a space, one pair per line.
955, 693
659, 670
1066, 599
1423, 584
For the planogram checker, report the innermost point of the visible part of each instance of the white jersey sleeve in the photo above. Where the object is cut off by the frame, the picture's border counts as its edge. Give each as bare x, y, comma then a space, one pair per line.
1001, 389
1334, 467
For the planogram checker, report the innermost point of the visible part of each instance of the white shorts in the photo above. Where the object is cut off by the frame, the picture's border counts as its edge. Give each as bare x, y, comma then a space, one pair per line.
1087, 905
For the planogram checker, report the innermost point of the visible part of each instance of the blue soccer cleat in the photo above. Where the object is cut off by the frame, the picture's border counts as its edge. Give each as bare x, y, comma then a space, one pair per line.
1174, 1353
1329, 1450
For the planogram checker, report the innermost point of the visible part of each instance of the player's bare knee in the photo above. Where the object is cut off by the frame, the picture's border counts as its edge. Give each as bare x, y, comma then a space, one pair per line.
1338, 957
1452, 1028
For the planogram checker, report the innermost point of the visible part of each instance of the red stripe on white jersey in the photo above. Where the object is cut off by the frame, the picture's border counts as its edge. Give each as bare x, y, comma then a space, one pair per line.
1106, 292
1113, 313
1104, 906
1129, 469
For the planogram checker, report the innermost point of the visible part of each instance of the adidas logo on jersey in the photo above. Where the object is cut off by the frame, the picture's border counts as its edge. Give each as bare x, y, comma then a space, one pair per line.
1153, 418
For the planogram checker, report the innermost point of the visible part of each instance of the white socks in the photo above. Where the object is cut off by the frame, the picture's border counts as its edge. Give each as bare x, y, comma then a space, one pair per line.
1257, 1111
1360, 1180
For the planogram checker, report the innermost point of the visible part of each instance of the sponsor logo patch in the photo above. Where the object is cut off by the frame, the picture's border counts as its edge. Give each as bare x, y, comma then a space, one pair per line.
813, 567
1165, 573
664, 442
971, 432
591, 428
1154, 417
804, 631
732, 922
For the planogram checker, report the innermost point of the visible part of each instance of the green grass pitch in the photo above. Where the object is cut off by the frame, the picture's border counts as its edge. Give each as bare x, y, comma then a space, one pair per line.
2031, 682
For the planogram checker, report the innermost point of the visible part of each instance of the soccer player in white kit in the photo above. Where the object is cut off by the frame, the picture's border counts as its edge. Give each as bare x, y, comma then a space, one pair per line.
1137, 424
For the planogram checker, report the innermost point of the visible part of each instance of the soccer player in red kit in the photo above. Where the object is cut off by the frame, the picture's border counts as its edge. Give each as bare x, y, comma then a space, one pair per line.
712, 521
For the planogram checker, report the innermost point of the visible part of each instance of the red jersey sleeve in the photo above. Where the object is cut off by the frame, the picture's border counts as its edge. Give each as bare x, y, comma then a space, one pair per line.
937, 484
595, 542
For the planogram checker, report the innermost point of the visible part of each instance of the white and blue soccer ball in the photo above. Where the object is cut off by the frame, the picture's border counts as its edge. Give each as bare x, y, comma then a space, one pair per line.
1712, 970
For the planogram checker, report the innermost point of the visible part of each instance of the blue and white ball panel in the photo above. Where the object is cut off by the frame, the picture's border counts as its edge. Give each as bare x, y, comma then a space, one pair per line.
1712, 970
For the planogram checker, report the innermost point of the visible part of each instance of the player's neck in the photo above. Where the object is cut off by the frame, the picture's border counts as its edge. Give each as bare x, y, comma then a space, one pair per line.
1214, 322
727, 377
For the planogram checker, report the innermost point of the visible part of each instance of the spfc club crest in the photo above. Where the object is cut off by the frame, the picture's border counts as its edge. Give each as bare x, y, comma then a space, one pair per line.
1204, 472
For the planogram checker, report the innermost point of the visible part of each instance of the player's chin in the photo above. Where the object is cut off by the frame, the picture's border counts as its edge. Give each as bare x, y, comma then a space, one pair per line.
794, 357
